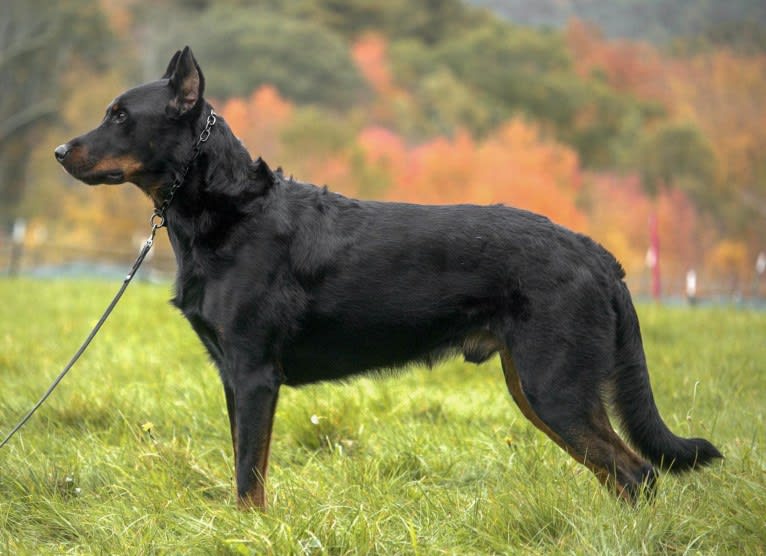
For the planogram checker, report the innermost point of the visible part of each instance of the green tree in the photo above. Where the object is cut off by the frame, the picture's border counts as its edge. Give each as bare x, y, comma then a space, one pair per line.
427, 21
515, 70
241, 49
679, 155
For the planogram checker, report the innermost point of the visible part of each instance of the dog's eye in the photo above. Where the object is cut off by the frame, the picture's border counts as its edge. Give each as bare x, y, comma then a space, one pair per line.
120, 117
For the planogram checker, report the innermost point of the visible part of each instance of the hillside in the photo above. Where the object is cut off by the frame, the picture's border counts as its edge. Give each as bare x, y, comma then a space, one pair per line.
659, 21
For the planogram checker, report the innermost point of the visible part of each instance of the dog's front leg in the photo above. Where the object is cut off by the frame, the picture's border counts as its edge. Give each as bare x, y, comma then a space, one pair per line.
231, 409
255, 400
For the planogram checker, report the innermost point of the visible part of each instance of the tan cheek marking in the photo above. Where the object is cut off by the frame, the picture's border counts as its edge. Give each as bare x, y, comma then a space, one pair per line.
127, 164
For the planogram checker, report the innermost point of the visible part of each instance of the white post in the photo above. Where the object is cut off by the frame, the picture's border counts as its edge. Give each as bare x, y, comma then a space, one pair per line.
17, 245
691, 286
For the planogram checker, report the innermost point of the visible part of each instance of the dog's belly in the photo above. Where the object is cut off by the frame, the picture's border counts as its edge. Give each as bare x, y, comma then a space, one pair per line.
387, 318
331, 350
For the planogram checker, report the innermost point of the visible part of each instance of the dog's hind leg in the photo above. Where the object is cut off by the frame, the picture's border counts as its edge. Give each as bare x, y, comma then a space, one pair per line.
255, 401
575, 418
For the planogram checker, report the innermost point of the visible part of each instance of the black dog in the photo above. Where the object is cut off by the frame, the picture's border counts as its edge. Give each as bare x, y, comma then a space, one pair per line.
287, 283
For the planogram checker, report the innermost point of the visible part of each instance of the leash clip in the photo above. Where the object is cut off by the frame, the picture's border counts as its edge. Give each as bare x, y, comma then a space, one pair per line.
157, 220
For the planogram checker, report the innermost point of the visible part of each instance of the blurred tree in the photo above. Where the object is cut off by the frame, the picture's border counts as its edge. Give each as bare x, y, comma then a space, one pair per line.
745, 37
318, 147
390, 104
427, 21
515, 164
38, 41
719, 155
729, 262
384, 155
624, 86
259, 121
630, 67
678, 155
316, 132
241, 49
510, 63
722, 93
448, 104
515, 70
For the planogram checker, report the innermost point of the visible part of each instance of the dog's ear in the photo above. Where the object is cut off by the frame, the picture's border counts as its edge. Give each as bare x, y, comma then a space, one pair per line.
186, 83
171, 65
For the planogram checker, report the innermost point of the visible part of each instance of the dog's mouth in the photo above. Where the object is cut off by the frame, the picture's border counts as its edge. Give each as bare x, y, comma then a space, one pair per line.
89, 176
108, 177
110, 171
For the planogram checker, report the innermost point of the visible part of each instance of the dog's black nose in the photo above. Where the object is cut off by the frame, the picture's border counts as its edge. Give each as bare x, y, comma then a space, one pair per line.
61, 152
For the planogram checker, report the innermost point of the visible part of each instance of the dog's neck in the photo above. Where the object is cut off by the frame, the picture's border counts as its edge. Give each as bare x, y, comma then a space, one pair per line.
217, 194
216, 178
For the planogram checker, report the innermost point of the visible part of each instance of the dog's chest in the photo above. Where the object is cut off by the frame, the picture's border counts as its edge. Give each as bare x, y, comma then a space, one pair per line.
190, 299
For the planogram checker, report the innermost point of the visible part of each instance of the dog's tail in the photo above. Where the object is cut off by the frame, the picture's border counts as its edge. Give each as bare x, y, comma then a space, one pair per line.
635, 405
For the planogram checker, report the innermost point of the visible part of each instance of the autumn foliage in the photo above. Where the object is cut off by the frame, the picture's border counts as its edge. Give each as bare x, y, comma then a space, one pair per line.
259, 120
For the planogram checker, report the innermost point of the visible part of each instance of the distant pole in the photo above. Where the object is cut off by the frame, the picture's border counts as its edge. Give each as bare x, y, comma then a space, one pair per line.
653, 257
17, 246
691, 286
760, 269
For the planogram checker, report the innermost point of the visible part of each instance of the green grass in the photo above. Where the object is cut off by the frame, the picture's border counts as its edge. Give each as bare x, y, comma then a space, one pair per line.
131, 455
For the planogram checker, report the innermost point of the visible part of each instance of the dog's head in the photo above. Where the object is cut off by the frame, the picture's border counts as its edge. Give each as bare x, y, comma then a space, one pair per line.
146, 133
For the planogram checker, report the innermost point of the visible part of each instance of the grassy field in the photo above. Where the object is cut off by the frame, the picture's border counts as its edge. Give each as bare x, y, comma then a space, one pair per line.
132, 455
